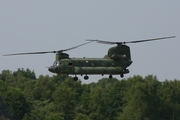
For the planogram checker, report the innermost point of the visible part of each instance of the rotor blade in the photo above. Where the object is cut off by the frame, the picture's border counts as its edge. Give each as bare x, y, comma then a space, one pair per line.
150, 39
76, 46
60, 51
103, 41
30, 53
137, 41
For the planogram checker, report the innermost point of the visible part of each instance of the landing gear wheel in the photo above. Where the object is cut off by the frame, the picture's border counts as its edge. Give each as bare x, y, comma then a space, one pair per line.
110, 76
121, 75
86, 77
75, 78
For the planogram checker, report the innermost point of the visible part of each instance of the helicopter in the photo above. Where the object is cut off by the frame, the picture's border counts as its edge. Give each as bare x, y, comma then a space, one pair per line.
116, 62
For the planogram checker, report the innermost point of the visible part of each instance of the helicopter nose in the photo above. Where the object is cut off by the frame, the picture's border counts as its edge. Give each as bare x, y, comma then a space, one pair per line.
50, 69
54, 69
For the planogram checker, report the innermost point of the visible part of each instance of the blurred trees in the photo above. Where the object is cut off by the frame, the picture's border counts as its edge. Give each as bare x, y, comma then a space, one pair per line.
23, 96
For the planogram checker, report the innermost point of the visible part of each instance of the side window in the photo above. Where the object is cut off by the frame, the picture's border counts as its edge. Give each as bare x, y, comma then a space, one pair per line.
70, 64
102, 64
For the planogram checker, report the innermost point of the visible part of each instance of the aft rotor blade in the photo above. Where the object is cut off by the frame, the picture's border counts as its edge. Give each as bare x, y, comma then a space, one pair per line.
30, 53
103, 41
137, 41
146, 40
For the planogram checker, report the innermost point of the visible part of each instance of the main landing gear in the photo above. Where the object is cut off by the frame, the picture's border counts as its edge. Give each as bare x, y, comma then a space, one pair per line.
125, 71
110, 76
75, 78
85, 78
121, 75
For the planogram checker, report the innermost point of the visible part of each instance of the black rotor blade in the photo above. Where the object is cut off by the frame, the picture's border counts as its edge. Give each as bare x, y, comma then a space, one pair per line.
30, 53
146, 40
77, 46
59, 51
137, 41
103, 41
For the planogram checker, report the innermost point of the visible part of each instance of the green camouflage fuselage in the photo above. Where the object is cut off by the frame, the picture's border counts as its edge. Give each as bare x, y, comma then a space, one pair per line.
115, 62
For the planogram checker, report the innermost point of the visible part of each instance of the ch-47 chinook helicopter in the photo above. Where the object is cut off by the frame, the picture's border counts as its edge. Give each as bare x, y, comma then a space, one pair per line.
115, 62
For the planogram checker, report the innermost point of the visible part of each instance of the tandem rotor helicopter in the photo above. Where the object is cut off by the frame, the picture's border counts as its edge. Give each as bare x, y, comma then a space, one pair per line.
115, 62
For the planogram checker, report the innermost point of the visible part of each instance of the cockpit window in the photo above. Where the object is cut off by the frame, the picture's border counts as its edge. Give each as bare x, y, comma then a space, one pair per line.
57, 63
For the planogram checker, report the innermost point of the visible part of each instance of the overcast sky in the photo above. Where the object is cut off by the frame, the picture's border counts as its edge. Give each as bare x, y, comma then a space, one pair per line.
43, 25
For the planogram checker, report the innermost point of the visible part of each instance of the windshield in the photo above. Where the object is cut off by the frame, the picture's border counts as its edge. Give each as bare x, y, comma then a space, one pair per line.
57, 63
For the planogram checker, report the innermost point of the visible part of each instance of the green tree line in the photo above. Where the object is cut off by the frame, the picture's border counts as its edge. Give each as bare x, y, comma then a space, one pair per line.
23, 96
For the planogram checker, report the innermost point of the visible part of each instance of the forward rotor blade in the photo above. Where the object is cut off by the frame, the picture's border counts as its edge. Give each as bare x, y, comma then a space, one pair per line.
77, 46
59, 51
150, 39
30, 53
